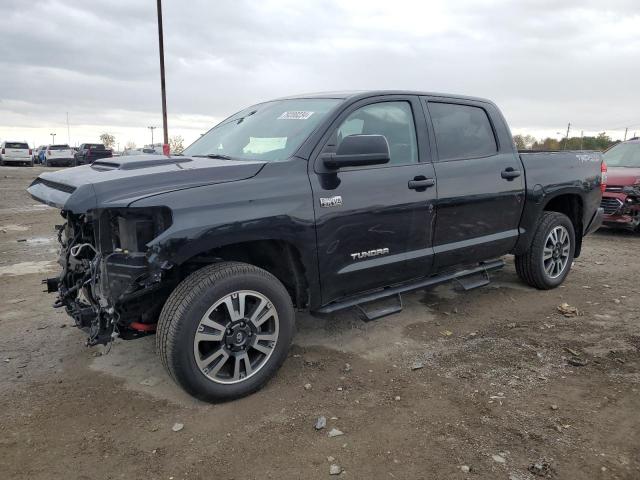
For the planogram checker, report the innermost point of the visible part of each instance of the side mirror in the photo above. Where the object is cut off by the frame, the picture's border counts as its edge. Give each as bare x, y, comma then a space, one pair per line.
359, 150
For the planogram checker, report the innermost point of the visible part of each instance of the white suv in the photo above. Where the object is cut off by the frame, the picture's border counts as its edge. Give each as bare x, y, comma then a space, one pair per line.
15, 153
59, 155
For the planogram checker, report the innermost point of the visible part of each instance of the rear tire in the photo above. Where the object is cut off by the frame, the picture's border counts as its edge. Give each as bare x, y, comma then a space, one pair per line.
548, 261
225, 330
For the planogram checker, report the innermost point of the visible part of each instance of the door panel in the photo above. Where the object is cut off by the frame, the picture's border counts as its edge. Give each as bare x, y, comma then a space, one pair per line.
380, 233
478, 210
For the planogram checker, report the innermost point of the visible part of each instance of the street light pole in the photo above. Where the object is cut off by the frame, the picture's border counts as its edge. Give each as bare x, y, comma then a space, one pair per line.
165, 145
566, 138
53, 138
152, 128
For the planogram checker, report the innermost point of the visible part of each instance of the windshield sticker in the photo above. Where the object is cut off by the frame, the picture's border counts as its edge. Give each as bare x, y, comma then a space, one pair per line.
264, 144
297, 115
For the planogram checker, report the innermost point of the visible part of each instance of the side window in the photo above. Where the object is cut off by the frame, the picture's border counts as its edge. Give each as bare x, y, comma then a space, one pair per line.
394, 120
462, 131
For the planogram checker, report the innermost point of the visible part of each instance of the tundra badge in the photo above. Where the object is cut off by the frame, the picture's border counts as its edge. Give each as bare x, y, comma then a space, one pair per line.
331, 201
370, 253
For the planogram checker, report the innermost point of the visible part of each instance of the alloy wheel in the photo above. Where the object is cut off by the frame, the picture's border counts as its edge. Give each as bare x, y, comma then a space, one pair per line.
557, 248
235, 337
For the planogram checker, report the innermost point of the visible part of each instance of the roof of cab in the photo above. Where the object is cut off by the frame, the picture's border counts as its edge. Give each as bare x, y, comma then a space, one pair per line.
357, 94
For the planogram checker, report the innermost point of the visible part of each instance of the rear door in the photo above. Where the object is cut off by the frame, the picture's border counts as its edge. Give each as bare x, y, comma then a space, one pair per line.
480, 182
60, 151
373, 224
17, 151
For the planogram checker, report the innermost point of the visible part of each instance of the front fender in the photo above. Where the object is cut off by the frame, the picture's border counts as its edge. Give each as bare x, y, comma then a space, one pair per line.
275, 205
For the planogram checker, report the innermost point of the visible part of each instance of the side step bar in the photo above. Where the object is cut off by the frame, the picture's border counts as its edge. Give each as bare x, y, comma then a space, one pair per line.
483, 269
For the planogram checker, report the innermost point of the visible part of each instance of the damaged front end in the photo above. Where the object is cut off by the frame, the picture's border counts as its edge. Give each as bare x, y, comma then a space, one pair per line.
622, 206
111, 283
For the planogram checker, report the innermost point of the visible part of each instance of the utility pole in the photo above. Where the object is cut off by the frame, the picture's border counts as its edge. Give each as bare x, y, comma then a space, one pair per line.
53, 138
625, 134
68, 130
165, 145
566, 138
581, 138
152, 128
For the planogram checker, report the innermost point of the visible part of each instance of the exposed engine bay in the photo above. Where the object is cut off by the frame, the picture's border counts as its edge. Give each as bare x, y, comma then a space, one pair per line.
111, 282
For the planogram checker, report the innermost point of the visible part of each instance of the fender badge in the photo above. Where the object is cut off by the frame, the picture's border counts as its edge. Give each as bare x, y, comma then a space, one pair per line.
331, 201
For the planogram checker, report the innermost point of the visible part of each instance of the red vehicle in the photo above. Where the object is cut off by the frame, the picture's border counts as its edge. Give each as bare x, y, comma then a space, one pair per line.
621, 200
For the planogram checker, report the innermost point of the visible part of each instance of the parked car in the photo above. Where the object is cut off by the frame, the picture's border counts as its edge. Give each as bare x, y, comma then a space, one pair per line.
621, 200
90, 152
137, 151
317, 203
58, 156
15, 153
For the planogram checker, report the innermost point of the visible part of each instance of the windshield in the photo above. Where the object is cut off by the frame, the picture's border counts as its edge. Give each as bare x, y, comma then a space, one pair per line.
623, 155
269, 131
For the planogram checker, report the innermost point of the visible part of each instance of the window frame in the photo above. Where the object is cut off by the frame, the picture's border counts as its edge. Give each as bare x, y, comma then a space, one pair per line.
419, 125
467, 103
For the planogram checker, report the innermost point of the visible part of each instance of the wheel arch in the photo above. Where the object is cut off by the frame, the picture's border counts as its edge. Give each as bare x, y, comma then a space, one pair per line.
571, 205
279, 257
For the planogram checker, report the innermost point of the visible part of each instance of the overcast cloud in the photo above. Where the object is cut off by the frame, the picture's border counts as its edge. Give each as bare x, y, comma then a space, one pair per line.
544, 62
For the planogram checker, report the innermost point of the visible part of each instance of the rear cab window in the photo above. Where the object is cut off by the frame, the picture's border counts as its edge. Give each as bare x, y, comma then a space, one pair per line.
17, 145
59, 147
462, 131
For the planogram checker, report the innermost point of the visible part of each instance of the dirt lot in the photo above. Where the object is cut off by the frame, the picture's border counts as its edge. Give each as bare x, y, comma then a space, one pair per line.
496, 393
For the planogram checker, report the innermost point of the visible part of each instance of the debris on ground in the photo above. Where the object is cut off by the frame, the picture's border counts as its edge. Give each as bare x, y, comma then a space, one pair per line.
335, 469
498, 458
465, 468
554, 407
577, 361
446, 333
321, 422
541, 469
334, 432
417, 365
177, 427
572, 352
307, 386
150, 382
568, 310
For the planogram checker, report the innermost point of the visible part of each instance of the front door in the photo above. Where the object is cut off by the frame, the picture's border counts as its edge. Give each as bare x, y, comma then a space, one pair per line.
373, 223
480, 182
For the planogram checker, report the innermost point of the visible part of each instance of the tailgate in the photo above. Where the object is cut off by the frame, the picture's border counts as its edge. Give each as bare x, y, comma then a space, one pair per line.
66, 153
17, 153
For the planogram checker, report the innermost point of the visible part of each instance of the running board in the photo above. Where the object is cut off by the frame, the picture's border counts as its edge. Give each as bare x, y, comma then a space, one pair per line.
371, 315
483, 269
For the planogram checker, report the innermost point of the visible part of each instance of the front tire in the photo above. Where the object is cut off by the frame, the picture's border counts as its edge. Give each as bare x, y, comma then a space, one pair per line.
548, 261
225, 330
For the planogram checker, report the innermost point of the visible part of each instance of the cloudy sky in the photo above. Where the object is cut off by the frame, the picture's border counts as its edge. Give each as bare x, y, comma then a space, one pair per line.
544, 62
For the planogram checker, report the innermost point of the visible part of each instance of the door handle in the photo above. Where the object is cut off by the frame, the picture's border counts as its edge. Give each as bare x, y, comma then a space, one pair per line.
510, 173
421, 183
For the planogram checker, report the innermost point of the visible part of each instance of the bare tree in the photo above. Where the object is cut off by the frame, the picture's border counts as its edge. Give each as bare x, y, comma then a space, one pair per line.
176, 144
108, 140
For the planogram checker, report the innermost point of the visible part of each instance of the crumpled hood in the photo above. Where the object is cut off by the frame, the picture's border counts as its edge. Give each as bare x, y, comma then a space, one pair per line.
118, 181
622, 176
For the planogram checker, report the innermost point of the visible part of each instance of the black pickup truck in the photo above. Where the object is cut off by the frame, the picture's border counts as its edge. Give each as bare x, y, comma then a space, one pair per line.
318, 202
90, 152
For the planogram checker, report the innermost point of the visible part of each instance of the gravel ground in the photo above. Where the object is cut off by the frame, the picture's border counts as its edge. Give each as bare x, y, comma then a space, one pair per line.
486, 384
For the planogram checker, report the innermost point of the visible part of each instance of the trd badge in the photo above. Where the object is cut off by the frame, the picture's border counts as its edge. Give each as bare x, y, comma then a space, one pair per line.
331, 201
